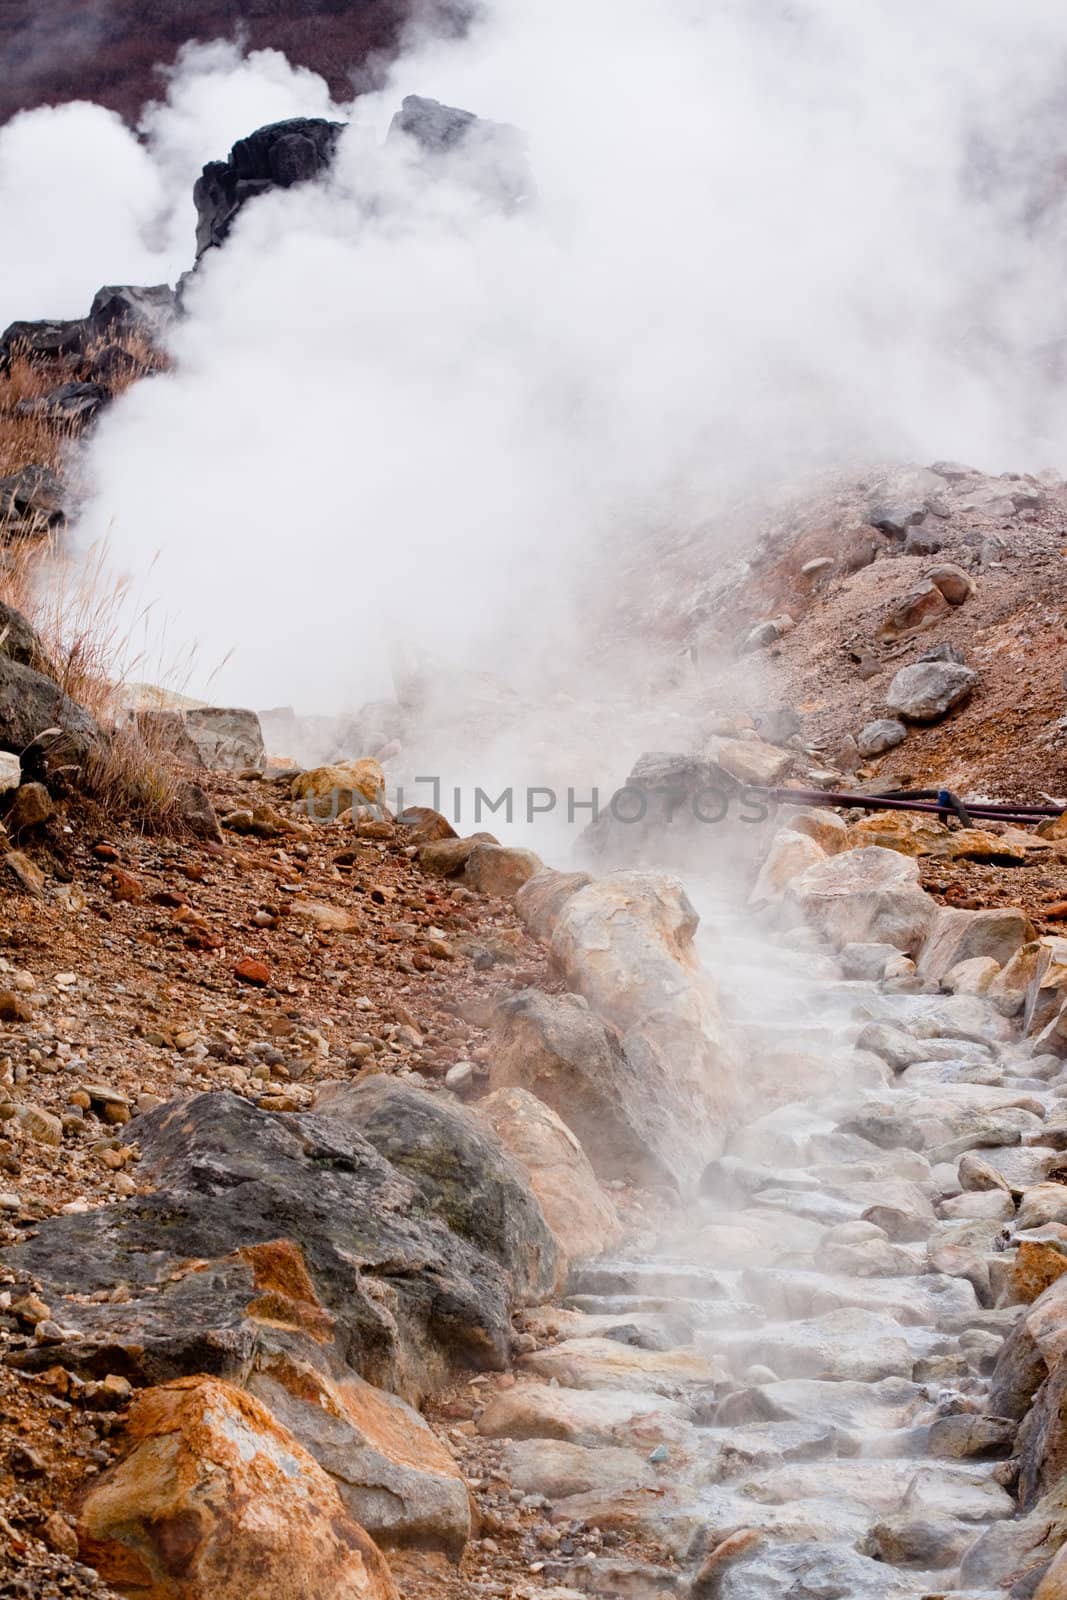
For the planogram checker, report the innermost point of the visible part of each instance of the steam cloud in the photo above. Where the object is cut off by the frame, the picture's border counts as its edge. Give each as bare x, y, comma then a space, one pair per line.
765, 236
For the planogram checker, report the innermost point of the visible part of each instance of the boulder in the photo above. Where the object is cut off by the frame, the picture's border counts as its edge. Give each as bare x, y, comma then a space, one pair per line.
751, 760
789, 855
625, 944
274, 157
71, 404
465, 1175
447, 858
494, 869
883, 734
392, 1472
957, 936
922, 542
330, 790
122, 310
290, 1232
213, 1490
928, 690
866, 896
44, 340
542, 897
558, 1049
31, 503
225, 739
919, 608
953, 582
829, 830
662, 812
20, 642
913, 833
896, 518
31, 704
579, 1213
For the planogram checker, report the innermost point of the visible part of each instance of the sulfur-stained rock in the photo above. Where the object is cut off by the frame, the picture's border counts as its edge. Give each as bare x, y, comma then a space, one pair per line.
393, 1474
214, 1491
913, 833
577, 1210
328, 791
825, 827
446, 858
920, 608
1037, 1265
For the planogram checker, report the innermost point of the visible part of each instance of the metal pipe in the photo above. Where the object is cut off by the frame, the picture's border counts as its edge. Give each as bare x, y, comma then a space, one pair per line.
982, 811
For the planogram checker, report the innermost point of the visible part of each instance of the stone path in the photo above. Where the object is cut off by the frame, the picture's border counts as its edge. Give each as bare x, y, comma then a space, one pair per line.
788, 1392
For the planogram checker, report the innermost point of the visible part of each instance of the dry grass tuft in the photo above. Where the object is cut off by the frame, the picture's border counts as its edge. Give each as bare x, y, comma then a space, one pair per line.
81, 613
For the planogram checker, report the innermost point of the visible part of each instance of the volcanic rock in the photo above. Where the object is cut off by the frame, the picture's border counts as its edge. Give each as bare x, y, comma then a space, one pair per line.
274, 157
928, 690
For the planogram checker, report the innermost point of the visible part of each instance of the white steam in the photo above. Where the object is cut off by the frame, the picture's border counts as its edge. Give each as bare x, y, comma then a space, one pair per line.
766, 236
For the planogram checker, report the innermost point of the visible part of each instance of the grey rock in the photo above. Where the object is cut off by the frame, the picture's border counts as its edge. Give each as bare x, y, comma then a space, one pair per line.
402, 1298
881, 735
226, 739
922, 542
811, 1572
944, 652
493, 154
20, 642
45, 340
31, 502
126, 309
466, 1177
70, 403
896, 519
928, 690
31, 704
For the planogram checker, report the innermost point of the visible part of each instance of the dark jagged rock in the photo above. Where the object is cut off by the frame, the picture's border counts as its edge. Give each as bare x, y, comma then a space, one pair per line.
32, 704
31, 502
467, 1178
19, 642
44, 340
249, 1207
119, 309
274, 157
71, 403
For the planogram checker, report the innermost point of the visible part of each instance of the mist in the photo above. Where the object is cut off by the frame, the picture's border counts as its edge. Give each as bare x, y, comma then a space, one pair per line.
763, 238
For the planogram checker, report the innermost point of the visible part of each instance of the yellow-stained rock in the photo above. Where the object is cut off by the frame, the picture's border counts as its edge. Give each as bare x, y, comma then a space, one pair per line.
912, 833
216, 1501
751, 760
825, 827
394, 1475
1037, 1265
328, 791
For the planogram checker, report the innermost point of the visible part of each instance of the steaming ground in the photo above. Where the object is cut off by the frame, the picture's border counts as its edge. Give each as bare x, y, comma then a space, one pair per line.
761, 239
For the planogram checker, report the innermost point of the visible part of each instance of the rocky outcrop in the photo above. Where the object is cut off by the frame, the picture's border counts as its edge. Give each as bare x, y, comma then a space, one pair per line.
274, 157
296, 1234
213, 1493
465, 1175
118, 311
